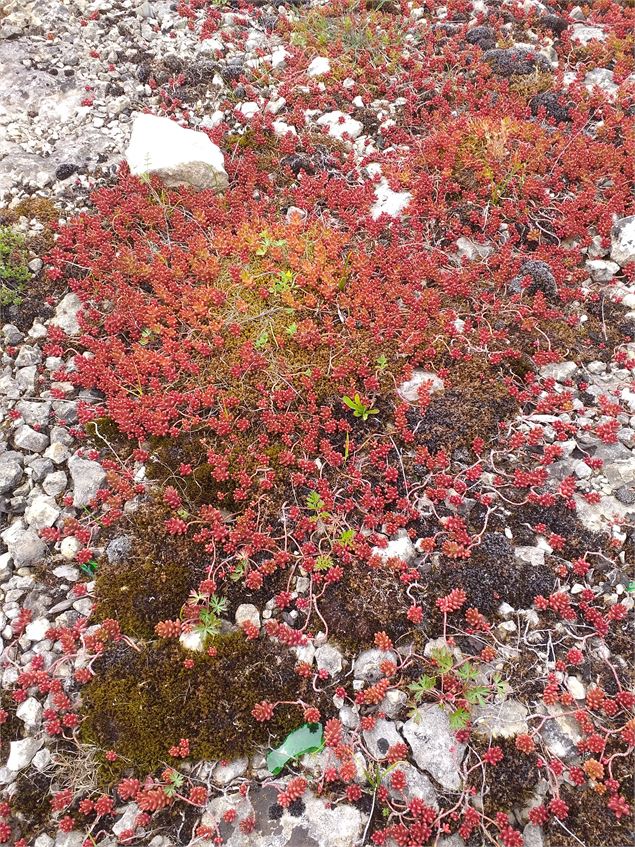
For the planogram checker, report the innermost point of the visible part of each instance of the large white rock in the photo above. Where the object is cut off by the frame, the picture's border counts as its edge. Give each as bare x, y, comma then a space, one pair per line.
623, 241
389, 202
584, 34
339, 125
319, 66
67, 314
177, 155
399, 547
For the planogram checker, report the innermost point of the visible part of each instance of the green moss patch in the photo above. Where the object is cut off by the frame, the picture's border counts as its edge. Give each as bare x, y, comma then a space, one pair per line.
141, 703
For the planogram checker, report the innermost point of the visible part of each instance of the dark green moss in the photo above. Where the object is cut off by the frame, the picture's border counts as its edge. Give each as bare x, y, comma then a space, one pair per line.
30, 803
141, 703
372, 600
154, 580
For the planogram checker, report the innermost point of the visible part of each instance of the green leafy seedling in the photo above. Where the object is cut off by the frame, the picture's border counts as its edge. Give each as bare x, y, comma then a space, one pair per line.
359, 409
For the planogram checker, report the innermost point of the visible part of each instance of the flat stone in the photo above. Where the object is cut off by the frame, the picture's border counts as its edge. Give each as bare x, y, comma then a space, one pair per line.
381, 737
400, 547
584, 34
409, 390
500, 720
224, 774
33, 412
340, 125
27, 438
247, 612
434, 746
24, 545
534, 556
417, 785
319, 66
67, 314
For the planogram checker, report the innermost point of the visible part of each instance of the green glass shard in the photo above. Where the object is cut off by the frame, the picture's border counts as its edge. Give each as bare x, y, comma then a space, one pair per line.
308, 738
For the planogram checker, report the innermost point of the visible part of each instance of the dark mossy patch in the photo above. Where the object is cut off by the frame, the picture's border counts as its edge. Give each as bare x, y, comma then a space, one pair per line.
559, 519
511, 780
199, 487
30, 802
363, 602
492, 576
590, 822
154, 580
141, 703
454, 419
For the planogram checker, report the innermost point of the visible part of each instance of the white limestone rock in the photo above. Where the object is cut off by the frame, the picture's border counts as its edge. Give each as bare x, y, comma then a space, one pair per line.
178, 156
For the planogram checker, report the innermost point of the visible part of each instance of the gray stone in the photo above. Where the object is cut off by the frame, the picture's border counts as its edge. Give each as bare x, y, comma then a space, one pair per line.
30, 712
602, 270
118, 549
626, 495
10, 475
42, 512
39, 467
367, 665
24, 545
224, 774
393, 703
382, 736
417, 785
12, 335
561, 734
27, 356
21, 753
329, 658
66, 411
247, 612
623, 241
69, 839
533, 836
54, 483
34, 413
57, 453
530, 555
60, 435
66, 314
88, 477
560, 371
434, 746
28, 439
500, 720
25, 379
